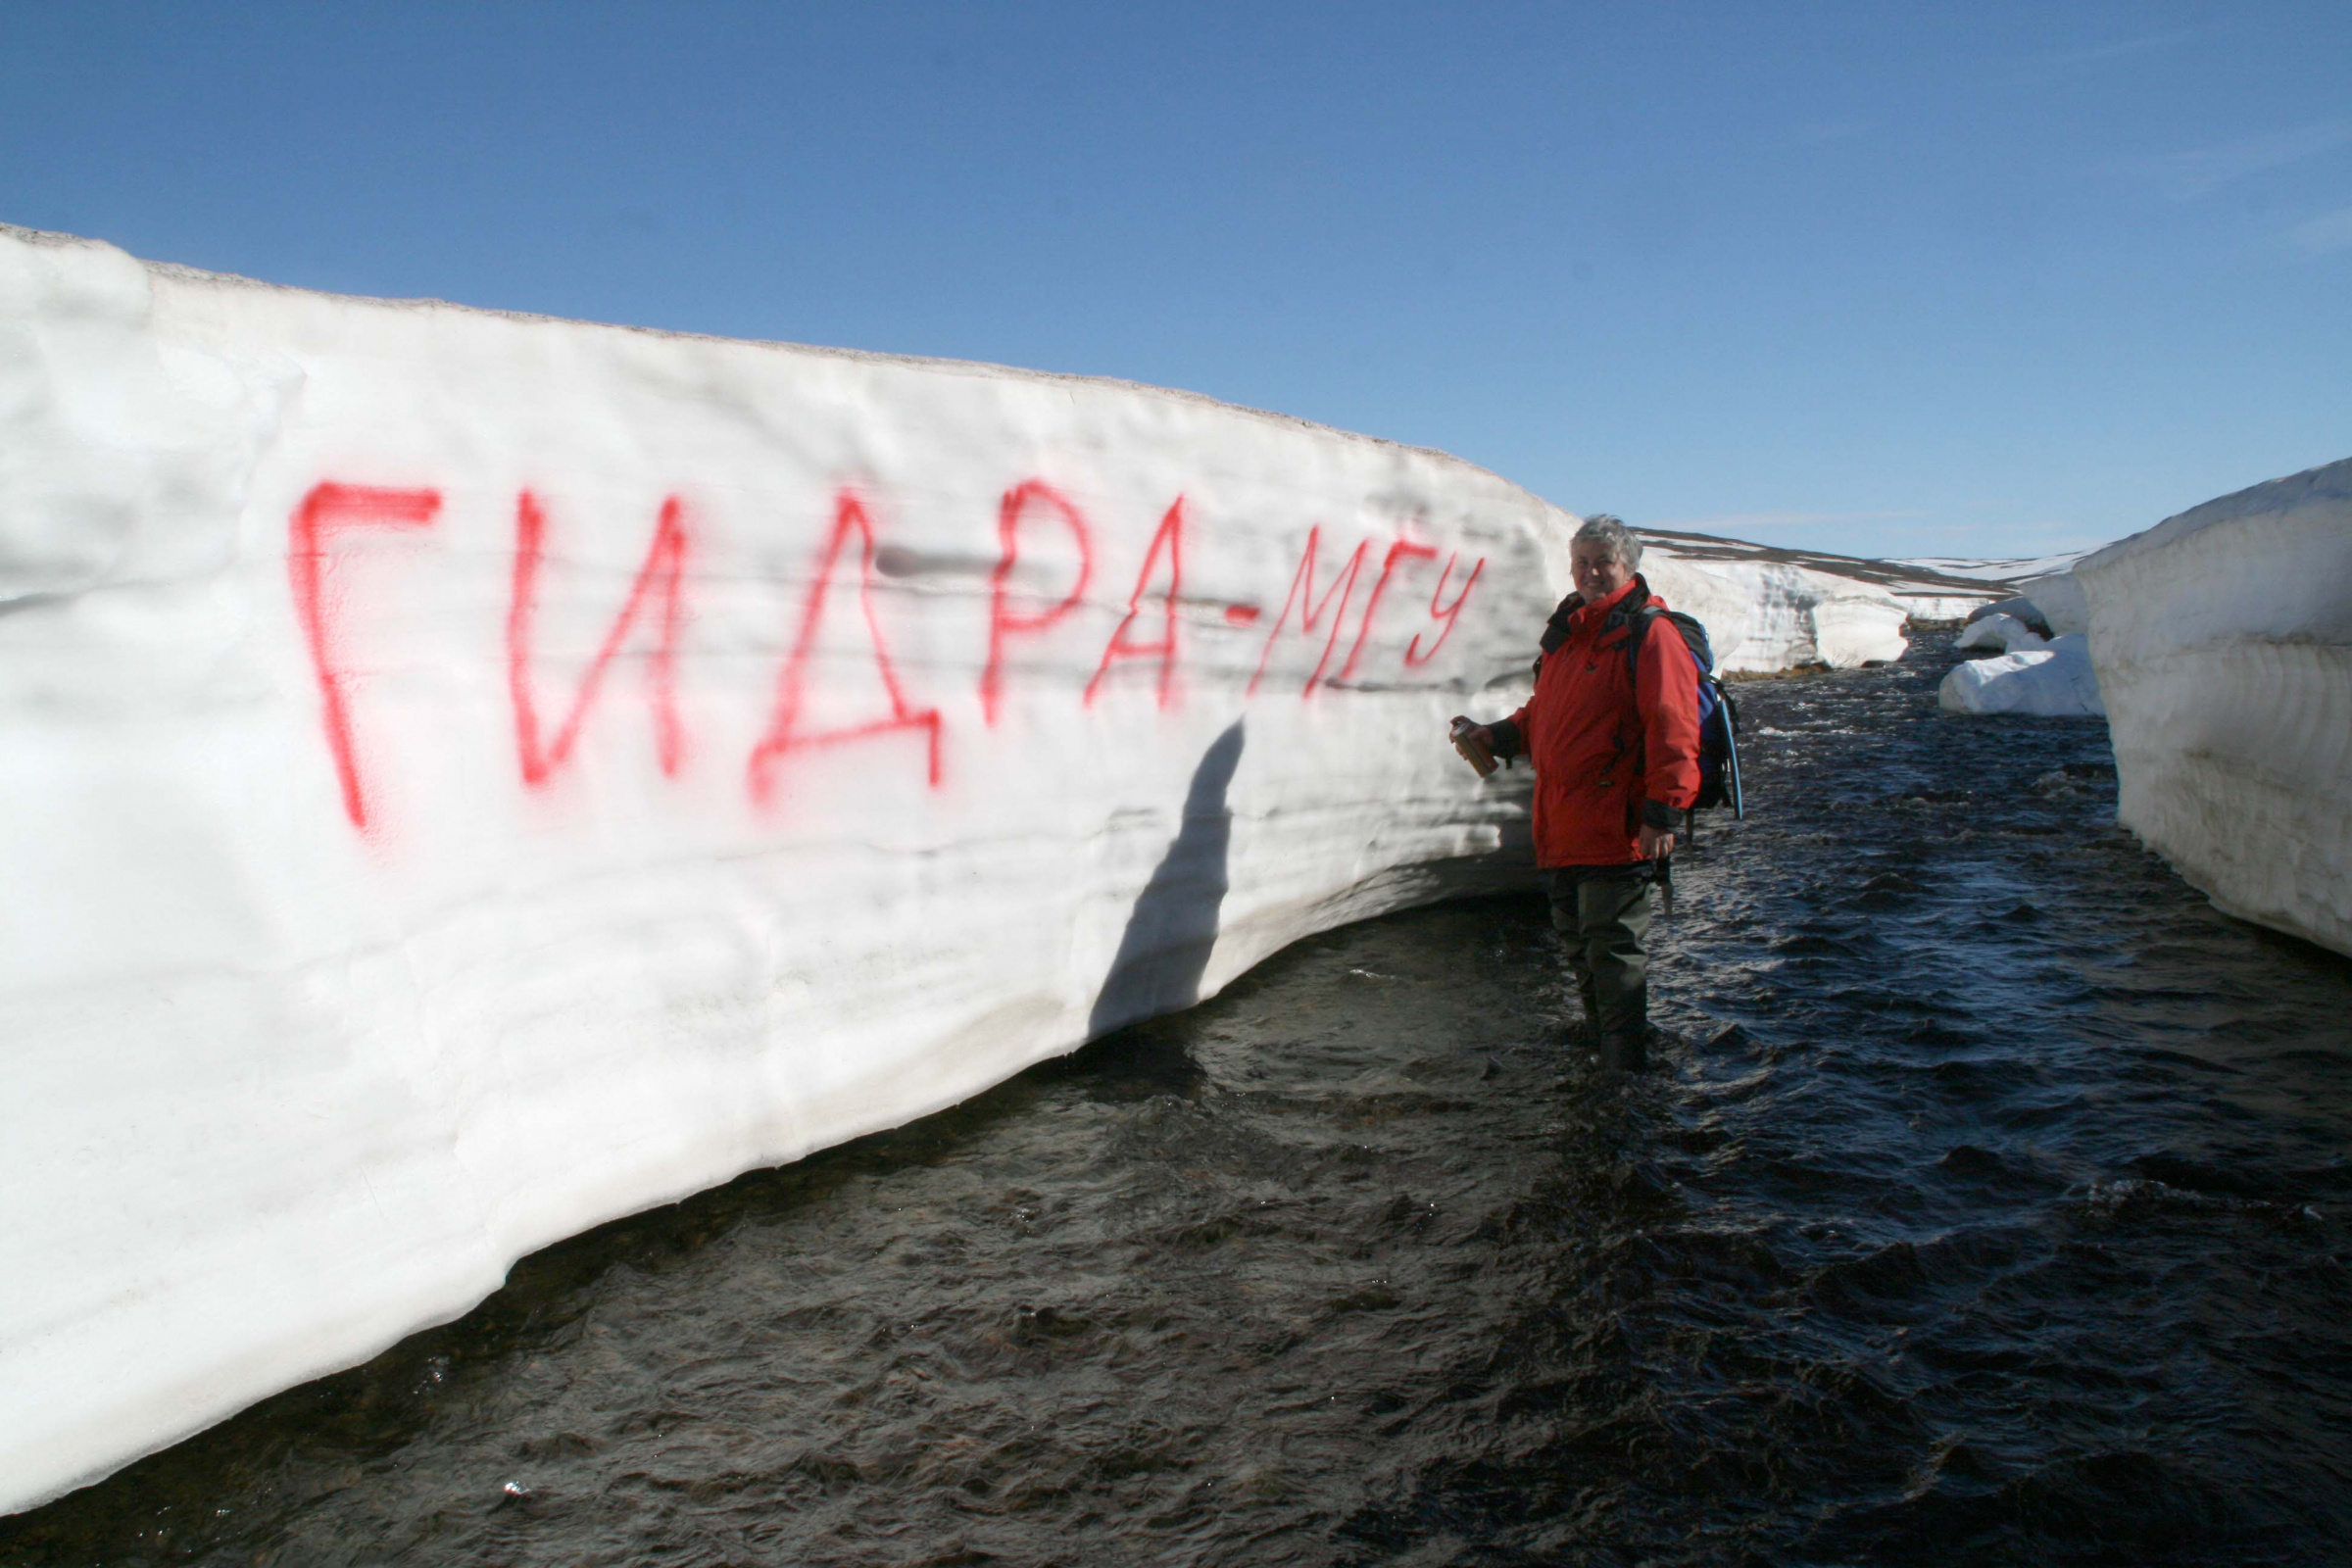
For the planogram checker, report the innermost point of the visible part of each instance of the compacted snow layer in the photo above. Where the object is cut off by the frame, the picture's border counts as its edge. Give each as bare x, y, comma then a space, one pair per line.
472, 776
2223, 643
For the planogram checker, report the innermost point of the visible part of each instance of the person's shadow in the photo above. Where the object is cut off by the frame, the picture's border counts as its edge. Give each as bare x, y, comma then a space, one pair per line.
1164, 950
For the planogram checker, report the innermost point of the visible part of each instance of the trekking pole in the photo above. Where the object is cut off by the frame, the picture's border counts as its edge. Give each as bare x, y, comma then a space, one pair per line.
1665, 879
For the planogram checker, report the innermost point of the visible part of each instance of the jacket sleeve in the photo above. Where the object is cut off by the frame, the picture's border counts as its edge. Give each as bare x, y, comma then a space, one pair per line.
1511, 734
1666, 697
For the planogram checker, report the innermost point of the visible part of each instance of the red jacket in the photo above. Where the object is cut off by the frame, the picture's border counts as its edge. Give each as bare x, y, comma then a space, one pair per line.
1606, 752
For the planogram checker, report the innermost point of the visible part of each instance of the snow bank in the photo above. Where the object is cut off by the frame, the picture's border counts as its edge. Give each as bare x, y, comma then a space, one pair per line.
2037, 578
1763, 611
1859, 589
1995, 573
470, 776
2223, 643
1763, 617
1939, 609
2049, 680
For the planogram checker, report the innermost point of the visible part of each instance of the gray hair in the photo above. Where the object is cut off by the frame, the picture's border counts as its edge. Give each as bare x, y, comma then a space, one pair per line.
1612, 532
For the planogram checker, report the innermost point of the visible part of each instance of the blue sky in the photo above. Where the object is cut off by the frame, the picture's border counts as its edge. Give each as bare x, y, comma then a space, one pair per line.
1891, 280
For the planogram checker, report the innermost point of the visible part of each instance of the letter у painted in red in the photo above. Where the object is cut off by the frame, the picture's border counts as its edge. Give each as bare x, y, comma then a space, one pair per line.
1414, 659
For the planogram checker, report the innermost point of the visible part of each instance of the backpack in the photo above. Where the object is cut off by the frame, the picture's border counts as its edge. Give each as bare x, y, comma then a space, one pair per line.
1718, 714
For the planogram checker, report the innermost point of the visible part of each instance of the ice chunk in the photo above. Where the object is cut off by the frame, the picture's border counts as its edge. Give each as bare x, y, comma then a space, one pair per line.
2224, 642
2052, 681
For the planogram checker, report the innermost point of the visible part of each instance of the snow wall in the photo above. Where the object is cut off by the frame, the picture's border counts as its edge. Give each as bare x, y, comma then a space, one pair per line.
469, 777
2222, 639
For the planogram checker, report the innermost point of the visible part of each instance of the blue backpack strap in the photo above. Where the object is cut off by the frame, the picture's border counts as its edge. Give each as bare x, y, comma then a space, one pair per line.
1643, 620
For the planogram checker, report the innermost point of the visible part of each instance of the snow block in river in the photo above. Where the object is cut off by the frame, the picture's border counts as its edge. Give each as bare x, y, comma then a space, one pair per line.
2005, 632
470, 776
2223, 643
2047, 681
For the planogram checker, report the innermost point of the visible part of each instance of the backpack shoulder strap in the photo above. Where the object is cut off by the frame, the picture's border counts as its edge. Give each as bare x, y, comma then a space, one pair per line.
1643, 620
1692, 632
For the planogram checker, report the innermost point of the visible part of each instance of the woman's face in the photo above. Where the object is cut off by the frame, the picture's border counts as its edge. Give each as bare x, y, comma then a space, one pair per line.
1597, 570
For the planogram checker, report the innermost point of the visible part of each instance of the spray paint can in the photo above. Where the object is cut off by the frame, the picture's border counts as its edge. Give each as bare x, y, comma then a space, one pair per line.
1474, 751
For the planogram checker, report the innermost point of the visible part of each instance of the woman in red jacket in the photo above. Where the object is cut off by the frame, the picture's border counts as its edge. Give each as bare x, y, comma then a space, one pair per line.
1614, 740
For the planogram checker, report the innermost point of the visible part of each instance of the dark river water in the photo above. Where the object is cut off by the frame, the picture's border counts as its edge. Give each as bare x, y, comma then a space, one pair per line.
1991, 1203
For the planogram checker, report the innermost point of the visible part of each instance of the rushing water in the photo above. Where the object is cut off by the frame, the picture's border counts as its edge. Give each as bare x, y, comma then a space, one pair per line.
1989, 1207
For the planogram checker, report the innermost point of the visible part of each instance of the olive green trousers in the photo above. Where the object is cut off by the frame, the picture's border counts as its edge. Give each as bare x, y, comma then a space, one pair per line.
1603, 915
